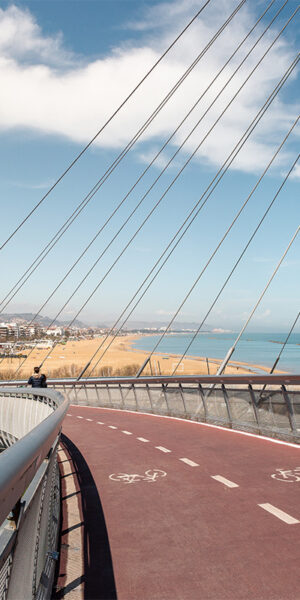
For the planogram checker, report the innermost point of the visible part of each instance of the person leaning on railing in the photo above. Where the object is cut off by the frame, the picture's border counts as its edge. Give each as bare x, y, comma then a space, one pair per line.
38, 379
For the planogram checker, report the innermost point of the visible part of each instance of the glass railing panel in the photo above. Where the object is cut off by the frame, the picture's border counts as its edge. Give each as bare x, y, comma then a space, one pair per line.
216, 406
273, 412
159, 401
143, 397
174, 401
129, 397
295, 400
193, 404
241, 407
115, 396
92, 397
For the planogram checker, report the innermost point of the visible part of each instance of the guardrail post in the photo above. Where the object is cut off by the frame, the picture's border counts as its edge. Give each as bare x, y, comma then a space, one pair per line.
135, 397
255, 409
182, 397
97, 394
165, 396
122, 397
109, 395
202, 395
149, 396
289, 405
86, 394
227, 404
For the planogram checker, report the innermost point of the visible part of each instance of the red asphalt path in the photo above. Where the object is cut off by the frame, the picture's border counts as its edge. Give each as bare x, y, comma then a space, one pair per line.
188, 536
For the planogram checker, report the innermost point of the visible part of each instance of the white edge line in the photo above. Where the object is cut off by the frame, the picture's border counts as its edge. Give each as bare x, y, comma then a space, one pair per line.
234, 431
280, 514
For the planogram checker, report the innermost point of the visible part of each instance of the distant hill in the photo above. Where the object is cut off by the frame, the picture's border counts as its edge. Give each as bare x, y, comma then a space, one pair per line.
176, 326
44, 321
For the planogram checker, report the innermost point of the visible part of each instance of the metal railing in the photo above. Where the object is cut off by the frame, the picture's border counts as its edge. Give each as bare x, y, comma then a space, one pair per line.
265, 404
30, 424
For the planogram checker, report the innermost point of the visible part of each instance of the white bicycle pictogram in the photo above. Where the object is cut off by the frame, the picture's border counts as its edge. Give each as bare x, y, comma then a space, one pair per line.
150, 475
288, 475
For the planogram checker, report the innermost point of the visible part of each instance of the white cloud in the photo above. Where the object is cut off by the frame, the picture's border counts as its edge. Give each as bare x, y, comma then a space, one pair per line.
21, 39
164, 313
46, 88
296, 172
32, 186
263, 315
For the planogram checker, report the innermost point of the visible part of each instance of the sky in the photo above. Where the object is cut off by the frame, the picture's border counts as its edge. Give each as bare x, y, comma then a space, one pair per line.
65, 67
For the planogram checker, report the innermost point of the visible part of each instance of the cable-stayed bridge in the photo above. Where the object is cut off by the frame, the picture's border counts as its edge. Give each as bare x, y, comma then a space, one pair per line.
168, 485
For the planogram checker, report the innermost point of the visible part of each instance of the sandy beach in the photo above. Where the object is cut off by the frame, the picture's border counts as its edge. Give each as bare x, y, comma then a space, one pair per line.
68, 360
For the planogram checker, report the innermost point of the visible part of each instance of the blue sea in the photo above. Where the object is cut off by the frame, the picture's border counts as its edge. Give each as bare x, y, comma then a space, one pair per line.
255, 348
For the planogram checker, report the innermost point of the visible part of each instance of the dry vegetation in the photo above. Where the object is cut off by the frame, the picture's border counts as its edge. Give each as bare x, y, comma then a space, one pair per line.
69, 360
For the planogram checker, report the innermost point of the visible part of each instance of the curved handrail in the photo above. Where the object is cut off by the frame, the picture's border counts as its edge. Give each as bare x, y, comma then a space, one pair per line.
20, 462
278, 379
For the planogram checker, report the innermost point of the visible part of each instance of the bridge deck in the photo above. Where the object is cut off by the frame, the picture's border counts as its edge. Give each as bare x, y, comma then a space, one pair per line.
185, 535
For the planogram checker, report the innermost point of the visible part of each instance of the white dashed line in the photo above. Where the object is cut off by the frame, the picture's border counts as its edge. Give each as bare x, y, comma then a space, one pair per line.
189, 462
162, 449
261, 438
127, 432
68, 415
100, 423
89, 419
229, 484
78, 417
279, 514
142, 440
112, 427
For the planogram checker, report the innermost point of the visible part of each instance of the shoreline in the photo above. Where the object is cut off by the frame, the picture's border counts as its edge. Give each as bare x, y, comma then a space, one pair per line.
238, 365
68, 360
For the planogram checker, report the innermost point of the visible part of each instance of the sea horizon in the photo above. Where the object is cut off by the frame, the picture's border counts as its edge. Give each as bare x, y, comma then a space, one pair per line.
253, 348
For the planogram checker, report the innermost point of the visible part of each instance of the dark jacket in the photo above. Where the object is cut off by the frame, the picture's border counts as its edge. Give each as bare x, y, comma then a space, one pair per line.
38, 382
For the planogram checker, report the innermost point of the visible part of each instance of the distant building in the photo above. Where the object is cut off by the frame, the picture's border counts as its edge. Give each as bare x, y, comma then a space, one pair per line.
54, 331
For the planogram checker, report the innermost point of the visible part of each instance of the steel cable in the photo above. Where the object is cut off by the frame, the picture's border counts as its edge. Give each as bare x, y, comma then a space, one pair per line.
42, 255
137, 181
279, 355
241, 87
203, 270
194, 214
231, 350
241, 254
284, 344
105, 125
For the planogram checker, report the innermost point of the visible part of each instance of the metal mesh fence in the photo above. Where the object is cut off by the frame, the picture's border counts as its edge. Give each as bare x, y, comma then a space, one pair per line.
4, 577
28, 570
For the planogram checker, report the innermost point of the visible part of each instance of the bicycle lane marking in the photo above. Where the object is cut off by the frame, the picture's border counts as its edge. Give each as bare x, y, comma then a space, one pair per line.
150, 476
287, 475
237, 432
250, 477
225, 520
